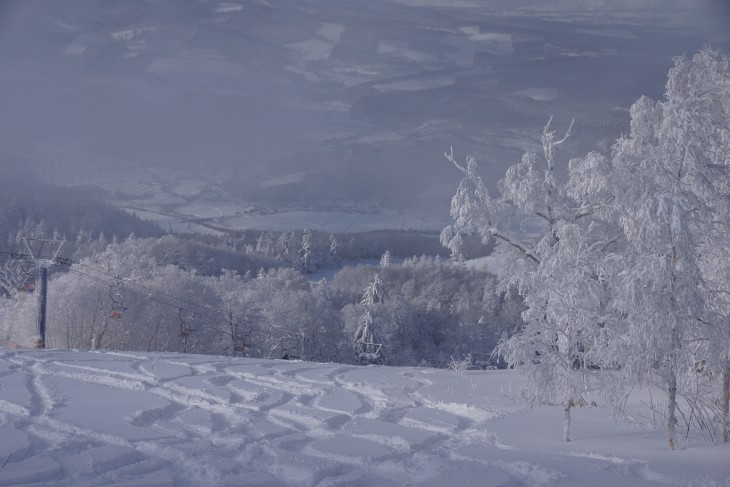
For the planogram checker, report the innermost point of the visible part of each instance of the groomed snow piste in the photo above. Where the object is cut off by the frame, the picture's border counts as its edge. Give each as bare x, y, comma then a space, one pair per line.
135, 419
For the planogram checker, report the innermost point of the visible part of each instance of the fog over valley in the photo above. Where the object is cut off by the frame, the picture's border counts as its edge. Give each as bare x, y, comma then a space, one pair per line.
207, 107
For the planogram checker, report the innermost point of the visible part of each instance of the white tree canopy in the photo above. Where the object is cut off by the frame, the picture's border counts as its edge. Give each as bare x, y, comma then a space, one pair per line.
622, 271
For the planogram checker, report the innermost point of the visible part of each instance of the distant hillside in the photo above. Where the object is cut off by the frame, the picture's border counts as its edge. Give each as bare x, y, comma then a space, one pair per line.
62, 210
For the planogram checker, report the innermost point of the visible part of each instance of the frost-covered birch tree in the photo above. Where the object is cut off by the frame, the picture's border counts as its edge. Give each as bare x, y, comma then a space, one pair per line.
671, 182
629, 269
715, 266
556, 268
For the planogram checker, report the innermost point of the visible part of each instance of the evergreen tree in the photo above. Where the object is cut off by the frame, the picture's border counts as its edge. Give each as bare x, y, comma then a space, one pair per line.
333, 248
385, 259
369, 334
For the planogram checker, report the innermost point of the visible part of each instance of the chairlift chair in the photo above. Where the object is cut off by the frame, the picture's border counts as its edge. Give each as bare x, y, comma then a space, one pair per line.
27, 288
239, 345
185, 328
116, 294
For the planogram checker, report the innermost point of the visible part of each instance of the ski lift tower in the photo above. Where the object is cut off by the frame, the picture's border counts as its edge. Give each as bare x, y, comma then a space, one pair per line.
44, 253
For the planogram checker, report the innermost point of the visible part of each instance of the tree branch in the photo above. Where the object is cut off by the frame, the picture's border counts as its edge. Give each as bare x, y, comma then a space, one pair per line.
567, 133
450, 157
514, 243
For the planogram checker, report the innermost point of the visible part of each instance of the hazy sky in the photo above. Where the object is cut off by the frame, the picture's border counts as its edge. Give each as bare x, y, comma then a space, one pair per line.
326, 101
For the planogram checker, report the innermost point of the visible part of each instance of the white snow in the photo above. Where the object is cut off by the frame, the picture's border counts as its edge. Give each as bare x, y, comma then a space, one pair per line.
290, 178
400, 50
312, 49
617, 33
123, 35
495, 42
538, 94
488, 263
71, 418
416, 84
226, 7
332, 32
475, 34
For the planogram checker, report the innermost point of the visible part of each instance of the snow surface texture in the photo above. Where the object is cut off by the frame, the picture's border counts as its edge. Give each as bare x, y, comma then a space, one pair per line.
100, 418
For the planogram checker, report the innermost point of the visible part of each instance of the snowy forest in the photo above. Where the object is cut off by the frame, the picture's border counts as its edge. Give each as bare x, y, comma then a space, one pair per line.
612, 272
254, 295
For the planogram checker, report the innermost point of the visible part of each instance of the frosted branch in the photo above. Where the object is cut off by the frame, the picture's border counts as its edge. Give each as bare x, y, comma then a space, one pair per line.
567, 133
450, 157
514, 243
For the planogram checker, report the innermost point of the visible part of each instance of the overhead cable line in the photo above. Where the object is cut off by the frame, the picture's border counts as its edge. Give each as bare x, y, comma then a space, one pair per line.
147, 288
141, 294
110, 279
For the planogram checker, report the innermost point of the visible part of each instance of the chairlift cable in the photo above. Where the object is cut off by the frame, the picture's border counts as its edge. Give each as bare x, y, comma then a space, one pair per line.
186, 302
137, 293
146, 297
133, 283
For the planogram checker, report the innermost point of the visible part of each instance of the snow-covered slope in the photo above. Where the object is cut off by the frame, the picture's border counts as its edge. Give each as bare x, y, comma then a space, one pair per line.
94, 418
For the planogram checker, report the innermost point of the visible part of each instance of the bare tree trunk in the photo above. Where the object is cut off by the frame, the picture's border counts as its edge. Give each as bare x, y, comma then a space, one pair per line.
725, 402
672, 391
566, 421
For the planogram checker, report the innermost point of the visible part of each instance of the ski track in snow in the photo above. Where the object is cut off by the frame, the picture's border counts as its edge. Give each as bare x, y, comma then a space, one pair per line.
95, 418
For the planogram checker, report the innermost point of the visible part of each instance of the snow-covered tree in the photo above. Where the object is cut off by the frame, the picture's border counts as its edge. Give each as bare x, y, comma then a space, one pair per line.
239, 314
374, 293
283, 246
715, 266
14, 273
554, 262
333, 248
18, 326
368, 334
454, 242
265, 243
306, 253
385, 259
369, 340
564, 322
671, 195
621, 270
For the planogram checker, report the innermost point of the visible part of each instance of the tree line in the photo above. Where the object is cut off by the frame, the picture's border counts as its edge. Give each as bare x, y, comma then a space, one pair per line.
129, 295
